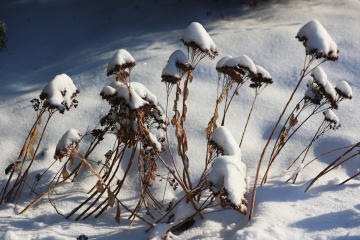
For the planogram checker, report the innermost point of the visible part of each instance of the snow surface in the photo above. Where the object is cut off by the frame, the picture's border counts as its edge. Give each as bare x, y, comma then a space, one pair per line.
46, 38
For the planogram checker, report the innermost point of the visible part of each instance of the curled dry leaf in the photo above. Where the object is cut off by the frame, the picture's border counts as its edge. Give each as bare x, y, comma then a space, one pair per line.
111, 198
99, 186
65, 172
118, 212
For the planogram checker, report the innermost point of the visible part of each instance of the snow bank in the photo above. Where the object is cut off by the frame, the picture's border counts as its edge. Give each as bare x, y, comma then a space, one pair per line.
59, 93
317, 41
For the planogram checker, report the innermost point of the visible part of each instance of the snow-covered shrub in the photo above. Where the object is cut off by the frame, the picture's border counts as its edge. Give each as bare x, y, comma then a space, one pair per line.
68, 144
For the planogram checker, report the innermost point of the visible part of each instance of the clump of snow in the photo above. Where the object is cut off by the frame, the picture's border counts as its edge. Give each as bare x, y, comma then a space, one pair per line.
242, 62
330, 92
224, 140
222, 61
318, 41
176, 66
67, 143
155, 142
344, 89
227, 176
261, 76
136, 95
59, 93
331, 117
120, 61
319, 76
195, 36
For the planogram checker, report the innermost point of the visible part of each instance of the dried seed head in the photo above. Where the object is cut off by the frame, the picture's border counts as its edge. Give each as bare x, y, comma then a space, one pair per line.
68, 144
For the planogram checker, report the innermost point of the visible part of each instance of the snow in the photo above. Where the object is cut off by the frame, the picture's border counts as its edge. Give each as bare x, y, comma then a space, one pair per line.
242, 61
344, 89
46, 38
319, 76
331, 117
59, 93
69, 139
171, 69
317, 40
196, 33
222, 61
121, 60
229, 171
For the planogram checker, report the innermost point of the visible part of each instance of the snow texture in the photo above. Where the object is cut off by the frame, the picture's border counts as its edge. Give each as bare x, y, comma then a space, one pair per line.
121, 60
344, 89
196, 33
222, 61
317, 40
59, 93
331, 117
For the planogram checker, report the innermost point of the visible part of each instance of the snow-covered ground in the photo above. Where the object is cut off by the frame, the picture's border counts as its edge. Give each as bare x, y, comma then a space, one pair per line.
48, 38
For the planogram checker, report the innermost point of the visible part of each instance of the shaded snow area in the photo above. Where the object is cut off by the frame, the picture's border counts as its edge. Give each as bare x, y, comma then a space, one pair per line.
123, 50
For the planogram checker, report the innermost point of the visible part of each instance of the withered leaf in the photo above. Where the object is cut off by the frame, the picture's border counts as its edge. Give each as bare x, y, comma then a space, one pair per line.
298, 107
34, 136
39, 121
23, 151
118, 212
65, 172
9, 168
31, 152
186, 93
99, 187
111, 198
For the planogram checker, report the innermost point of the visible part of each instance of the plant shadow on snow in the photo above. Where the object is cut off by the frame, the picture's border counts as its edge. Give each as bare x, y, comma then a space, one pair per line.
328, 144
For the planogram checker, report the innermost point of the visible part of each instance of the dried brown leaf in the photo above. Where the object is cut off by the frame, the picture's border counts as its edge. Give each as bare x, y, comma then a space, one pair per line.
23, 151
34, 136
39, 121
99, 186
186, 93
31, 152
111, 198
118, 212
298, 107
65, 173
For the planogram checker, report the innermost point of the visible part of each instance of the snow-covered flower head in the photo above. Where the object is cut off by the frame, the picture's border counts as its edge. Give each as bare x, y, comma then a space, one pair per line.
237, 68
120, 64
317, 41
68, 144
261, 77
60, 93
344, 90
331, 117
177, 65
196, 38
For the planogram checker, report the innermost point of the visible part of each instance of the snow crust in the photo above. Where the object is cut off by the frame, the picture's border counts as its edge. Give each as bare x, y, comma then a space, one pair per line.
59, 92
196, 33
317, 40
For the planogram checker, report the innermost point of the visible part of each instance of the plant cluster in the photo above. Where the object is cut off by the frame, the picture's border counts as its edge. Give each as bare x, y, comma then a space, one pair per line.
140, 130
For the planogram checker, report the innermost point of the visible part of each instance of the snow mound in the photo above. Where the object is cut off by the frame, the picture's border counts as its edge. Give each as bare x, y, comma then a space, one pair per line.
317, 41
60, 93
